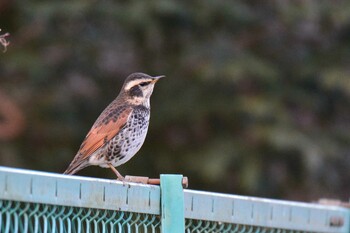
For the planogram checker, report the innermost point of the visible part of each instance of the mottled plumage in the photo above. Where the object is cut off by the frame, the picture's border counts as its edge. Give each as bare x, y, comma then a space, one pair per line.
120, 130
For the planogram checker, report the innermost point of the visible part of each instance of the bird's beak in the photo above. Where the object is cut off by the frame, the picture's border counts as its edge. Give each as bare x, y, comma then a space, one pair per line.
156, 78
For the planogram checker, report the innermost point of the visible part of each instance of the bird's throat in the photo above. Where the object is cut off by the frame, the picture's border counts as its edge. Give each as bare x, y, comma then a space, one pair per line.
139, 101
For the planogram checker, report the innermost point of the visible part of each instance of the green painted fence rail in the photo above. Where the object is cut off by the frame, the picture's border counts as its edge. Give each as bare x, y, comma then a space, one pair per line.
32, 201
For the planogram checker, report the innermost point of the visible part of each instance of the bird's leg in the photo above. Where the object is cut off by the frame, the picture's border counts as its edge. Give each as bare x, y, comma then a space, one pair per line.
120, 177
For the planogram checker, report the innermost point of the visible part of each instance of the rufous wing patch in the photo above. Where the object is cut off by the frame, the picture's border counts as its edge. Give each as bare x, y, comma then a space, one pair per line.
102, 134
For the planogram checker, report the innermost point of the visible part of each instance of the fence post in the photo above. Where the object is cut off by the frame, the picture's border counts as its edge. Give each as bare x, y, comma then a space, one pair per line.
172, 204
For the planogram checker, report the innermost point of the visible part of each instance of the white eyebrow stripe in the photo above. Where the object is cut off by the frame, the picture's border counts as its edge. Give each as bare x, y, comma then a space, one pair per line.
135, 82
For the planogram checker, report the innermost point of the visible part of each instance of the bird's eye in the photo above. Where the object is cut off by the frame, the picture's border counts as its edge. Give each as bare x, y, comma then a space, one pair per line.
143, 84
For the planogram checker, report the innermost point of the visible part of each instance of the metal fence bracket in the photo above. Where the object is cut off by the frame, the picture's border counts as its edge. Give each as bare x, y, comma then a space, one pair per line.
153, 181
172, 204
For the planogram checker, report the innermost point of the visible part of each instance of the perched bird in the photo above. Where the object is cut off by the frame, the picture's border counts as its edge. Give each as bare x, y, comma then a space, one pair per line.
120, 130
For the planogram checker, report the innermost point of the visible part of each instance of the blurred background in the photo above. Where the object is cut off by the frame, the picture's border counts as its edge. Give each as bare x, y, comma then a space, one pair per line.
256, 100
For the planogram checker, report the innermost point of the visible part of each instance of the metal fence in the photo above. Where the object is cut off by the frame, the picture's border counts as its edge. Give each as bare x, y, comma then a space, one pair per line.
44, 202
34, 217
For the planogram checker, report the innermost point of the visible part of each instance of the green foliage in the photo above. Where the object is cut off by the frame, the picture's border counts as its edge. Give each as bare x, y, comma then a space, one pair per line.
256, 99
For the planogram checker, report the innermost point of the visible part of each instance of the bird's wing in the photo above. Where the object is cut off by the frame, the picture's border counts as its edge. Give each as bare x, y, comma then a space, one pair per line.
103, 132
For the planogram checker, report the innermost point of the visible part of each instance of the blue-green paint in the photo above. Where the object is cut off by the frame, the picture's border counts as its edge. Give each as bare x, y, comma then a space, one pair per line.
172, 204
32, 201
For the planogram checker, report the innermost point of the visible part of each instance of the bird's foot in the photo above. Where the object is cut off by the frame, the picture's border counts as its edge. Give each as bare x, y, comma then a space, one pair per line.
120, 177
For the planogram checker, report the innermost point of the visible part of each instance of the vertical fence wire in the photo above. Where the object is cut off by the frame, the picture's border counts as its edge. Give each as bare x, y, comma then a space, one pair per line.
198, 226
42, 218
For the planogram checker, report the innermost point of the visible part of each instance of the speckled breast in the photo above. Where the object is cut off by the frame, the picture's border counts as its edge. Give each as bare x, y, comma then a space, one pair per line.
130, 139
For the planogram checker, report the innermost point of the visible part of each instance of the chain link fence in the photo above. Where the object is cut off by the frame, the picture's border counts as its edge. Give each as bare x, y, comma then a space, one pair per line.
43, 202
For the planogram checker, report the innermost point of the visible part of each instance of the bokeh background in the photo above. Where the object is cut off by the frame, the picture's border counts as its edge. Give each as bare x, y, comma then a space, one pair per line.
256, 100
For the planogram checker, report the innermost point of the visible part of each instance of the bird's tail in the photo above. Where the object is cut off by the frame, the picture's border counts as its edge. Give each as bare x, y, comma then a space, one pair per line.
75, 166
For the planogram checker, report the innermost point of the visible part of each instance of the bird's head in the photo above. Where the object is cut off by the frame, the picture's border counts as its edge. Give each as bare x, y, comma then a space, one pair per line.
138, 88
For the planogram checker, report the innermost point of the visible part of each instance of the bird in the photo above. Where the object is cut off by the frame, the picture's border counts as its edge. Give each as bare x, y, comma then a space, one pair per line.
120, 130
